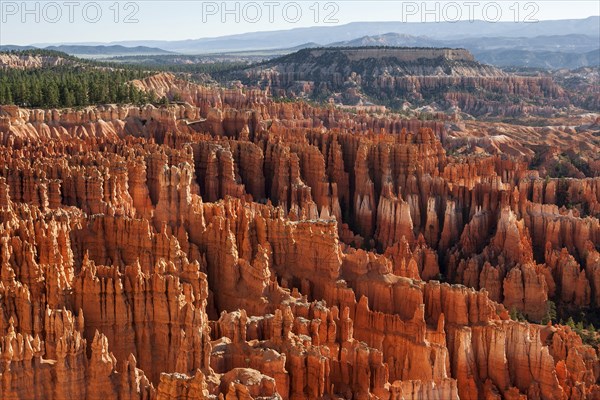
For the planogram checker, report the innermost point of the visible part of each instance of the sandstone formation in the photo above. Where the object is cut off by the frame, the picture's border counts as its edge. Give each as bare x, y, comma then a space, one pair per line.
24, 61
234, 247
444, 81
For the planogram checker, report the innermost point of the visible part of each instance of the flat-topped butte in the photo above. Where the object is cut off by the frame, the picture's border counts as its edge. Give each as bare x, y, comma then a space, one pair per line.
406, 54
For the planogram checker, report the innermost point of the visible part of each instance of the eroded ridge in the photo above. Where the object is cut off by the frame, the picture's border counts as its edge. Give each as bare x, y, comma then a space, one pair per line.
237, 248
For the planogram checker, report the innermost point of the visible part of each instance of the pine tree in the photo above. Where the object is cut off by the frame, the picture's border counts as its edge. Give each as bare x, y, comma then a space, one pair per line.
121, 94
134, 95
36, 97
22, 94
3, 96
51, 95
516, 315
68, 98
152, 98
9, 98
550, 312
70, 86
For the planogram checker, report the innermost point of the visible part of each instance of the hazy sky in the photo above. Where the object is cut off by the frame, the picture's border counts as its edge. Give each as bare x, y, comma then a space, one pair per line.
106, 21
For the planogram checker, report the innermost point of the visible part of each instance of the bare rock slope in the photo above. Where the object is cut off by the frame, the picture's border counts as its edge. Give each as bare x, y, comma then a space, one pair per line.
239, 248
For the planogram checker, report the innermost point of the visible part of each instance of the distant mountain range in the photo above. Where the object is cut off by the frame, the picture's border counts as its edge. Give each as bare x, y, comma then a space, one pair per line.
553, 52
99, 50
576, 43
538, 59
339, 33
545, 44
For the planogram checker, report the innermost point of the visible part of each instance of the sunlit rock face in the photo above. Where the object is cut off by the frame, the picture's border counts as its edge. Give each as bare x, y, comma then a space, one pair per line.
442, 80
234, 247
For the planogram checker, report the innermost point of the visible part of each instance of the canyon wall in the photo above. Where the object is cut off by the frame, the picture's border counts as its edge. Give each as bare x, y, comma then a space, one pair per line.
239, 248
444, 81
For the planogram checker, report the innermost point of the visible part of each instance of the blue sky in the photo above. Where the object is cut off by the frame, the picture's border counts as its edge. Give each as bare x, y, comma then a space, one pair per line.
106, 21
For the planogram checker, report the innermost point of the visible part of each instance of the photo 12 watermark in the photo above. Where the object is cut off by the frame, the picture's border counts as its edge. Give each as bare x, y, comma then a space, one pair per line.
454, 11
268, 12
404, 11
54, 12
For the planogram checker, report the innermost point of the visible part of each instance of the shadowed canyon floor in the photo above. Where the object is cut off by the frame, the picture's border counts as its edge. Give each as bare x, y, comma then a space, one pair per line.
238, 248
